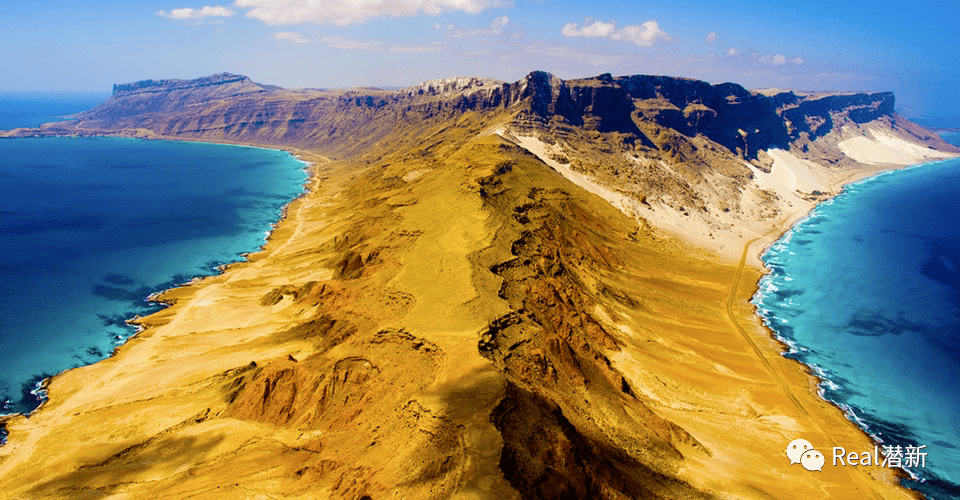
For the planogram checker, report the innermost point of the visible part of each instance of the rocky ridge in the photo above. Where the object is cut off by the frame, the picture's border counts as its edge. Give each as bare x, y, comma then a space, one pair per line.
156, 86
448, 86
672, 150
482, 295
742, 121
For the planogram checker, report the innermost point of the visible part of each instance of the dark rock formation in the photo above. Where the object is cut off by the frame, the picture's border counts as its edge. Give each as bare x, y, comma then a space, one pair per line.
814, 115
237, 109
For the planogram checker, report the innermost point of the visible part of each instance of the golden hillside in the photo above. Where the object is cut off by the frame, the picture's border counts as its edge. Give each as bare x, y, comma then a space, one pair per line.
499, 290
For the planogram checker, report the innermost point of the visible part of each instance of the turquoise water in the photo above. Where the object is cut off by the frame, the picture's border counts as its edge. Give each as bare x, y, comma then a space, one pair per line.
89, 227
866, 290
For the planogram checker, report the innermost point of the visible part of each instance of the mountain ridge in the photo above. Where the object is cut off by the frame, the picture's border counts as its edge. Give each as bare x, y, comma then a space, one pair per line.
742, 121
491, 290
147, 86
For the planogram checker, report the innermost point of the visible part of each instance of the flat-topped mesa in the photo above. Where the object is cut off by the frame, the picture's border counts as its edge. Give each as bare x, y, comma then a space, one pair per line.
164, 100
153, 86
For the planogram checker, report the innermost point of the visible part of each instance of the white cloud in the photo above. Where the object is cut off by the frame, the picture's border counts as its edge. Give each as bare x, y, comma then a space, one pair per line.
291, 37
645, 35
499, 23
732, 52
344, 12
598, 29
778, 59
189, 14
497, 27
774, 59
712, 38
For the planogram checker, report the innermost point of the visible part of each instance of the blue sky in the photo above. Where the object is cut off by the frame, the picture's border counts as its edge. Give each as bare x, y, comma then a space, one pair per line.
906, 47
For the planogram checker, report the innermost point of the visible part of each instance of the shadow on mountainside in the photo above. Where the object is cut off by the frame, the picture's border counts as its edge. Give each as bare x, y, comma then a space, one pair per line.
567, 410
155, 459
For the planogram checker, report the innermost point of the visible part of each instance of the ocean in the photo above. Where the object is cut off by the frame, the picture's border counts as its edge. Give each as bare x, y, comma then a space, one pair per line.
951, 137
32, 109
866, 291
90, 227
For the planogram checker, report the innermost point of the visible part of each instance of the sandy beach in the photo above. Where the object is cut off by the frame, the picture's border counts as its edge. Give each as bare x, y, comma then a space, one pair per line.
465, 317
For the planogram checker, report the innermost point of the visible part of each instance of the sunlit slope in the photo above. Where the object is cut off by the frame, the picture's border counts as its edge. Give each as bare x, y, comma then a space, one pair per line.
481, 296
484, 328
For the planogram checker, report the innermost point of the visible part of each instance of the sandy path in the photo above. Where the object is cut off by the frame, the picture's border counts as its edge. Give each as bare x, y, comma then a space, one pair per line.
732, 310
732, 319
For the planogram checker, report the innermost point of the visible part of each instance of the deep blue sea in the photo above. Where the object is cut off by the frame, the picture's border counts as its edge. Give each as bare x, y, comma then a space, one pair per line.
21, 109
951, 137
89, 227
866, 291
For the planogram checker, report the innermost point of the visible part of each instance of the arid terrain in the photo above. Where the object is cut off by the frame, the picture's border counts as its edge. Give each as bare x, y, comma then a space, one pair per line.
536, 289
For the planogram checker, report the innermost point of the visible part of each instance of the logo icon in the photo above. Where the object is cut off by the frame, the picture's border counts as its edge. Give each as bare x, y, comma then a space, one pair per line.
800, 451
812, 460
796, 449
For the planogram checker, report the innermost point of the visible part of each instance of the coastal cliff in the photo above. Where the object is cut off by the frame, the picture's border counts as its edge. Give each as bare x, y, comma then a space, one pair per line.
702, 160
728, 114
535, 289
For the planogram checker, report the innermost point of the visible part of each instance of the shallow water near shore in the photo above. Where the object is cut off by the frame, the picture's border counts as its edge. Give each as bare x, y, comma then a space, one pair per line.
866, 290
90, 227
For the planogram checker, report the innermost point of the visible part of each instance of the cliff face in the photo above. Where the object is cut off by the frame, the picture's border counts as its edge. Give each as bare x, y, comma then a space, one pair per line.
231, 107
217, 83
534, 289
813, 115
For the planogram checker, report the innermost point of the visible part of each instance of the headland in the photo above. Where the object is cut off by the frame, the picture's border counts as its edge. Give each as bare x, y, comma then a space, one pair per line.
536, 289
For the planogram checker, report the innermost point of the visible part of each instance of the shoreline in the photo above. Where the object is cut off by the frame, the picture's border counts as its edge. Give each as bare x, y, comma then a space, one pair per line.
313, 185
787, 346
307, 166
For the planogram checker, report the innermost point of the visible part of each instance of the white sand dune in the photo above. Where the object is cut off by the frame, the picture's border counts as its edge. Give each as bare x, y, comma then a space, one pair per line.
790, 174
883, 148
724, 233
544, 153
